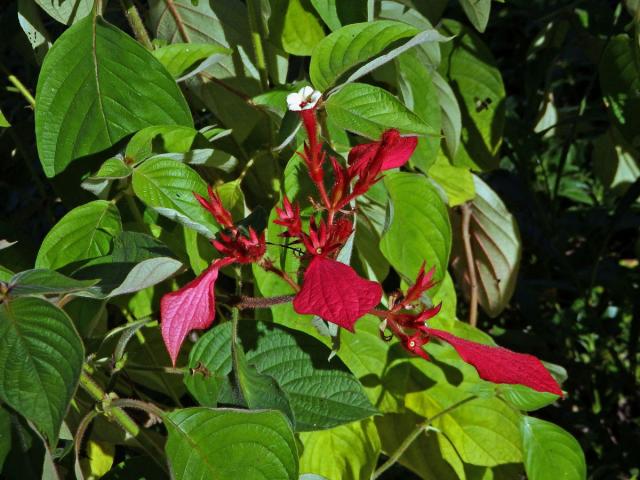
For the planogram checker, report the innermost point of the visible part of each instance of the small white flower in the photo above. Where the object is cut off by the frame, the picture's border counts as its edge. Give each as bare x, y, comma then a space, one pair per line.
305, 99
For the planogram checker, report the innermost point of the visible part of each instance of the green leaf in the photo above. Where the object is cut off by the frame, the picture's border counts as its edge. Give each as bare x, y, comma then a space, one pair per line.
96, 86
420, 230
5, 434
496, 246
42, 281
167, 186
354, 450
370, 224
525, 398
420, 95
163, 139
477, 12
68, 11
472, 73
369, 111
551, 452
619, 73
3, 121
178, 58
451, 117
457, 182
336, 14
41, 357
349, 46
301, 30
259, 391
112, 169
85, 232
225, 443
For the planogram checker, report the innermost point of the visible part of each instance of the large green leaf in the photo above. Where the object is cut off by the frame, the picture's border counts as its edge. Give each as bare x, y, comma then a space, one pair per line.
41, 358
352, 45
321, 394
354, 451
496, 247
85, 232
619, 76
475, 79
457, 182
207, 443
477, 12
551, 452
421, 96
301, 30
167, 186
420, 230
369, 111
96, 86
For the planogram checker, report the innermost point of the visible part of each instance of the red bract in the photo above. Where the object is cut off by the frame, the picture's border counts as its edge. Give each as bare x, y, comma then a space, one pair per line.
499, 365
239, 247
424, 282
214, 206
289, 217
392, 151
335, 292
190, 308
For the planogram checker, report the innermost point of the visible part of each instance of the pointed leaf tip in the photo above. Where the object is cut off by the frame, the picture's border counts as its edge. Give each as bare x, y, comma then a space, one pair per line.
500, 365
335, 292
192, 307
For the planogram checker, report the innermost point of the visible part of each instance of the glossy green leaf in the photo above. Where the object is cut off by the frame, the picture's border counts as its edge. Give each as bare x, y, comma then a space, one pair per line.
354, 450
477, 12
113, 168
42, 281
456, 182
208, 443
301, 30
369, 111
259, 391
496, 246
349, 46
420, 230
178, 58
96, 86
525, 398
167, 186
67, 12
85, 232
420, 95
163, 139
471, 71
619, 76
551, 452
41, 358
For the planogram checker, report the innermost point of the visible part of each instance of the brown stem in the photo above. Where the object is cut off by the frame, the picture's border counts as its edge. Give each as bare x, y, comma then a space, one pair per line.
259, 302
471, 267
178, 19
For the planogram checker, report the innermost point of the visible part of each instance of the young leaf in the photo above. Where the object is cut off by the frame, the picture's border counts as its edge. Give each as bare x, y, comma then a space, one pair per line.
457, 182
178, 58
41, 357
369, 111
550, 451
419, 230
354, 451
167, 186
496, 247
85, 232
112, 169
352, 45
226, 443
96, 86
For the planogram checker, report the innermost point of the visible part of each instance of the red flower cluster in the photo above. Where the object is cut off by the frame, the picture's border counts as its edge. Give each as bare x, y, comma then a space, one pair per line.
331, 289
193, 306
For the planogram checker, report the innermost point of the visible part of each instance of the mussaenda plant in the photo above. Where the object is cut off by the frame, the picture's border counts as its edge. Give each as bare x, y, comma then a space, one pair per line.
331, 289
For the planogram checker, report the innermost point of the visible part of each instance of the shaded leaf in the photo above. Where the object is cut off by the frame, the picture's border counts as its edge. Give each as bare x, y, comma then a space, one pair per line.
178, 58
42, 281
477, 12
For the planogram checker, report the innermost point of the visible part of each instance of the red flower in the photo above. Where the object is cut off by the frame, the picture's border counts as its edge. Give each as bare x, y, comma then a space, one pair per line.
289, 217
189, 308
215, 207
391, 151
335, 292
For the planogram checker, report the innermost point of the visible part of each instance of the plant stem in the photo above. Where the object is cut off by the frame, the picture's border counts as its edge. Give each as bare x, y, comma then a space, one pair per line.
257, 34
122, 418
259, 302
136, 23
178, 19
23, 90
415, 433
155, 368
147, 407
471, 266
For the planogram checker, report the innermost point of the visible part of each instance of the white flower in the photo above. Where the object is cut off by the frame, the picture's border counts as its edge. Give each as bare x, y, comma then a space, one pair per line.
305, 99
